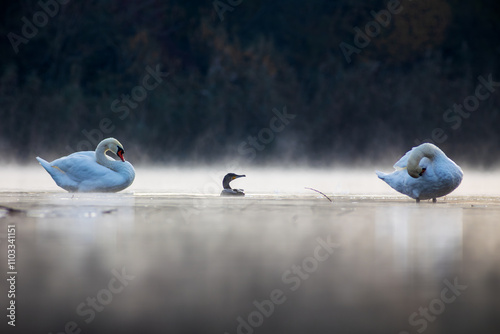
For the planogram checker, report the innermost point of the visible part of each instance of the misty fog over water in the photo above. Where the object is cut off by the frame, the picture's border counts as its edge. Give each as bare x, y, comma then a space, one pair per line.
207, 181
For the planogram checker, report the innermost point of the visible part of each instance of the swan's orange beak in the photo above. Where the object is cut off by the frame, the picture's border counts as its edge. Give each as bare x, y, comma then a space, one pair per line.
120, 153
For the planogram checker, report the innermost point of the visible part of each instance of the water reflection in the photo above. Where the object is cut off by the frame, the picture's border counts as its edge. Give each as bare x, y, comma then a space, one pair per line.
203, 263
421, 240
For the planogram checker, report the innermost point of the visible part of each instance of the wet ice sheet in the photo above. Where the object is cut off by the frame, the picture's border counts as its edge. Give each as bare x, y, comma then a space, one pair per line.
202, 263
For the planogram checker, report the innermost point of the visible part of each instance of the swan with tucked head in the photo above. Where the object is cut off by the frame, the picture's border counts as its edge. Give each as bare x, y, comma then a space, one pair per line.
89, 171
424, 172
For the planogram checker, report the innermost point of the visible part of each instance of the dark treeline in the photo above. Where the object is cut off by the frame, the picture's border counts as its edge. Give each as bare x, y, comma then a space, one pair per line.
226, 77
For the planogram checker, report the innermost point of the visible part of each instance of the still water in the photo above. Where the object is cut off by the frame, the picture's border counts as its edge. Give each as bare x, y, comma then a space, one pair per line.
168, 255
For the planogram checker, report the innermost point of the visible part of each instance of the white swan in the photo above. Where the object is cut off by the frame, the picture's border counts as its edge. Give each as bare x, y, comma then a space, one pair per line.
425, 172
89, 171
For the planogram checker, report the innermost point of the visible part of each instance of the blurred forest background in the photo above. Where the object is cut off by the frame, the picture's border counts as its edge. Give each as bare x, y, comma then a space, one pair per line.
226, 76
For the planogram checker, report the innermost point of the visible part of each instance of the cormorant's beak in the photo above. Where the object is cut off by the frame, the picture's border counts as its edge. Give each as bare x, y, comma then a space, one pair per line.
238, 176
120, 153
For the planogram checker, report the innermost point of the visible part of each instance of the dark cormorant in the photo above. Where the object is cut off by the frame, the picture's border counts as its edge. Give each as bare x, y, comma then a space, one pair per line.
228, 191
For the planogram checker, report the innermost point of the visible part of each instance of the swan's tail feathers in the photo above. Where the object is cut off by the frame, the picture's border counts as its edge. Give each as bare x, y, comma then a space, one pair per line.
381, 175
42, 162
48, 167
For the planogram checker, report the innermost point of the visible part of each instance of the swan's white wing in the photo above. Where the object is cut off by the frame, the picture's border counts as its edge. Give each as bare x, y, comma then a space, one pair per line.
402, 163
80, 166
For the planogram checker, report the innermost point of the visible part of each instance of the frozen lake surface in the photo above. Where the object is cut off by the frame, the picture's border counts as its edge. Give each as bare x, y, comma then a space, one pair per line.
168, 255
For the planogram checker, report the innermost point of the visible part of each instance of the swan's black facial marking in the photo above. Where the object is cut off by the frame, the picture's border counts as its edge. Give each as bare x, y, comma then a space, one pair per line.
120, 153
422, 172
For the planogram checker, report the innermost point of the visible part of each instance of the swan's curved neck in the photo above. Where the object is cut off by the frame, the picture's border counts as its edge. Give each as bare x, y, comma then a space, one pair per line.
103, 159
425, 150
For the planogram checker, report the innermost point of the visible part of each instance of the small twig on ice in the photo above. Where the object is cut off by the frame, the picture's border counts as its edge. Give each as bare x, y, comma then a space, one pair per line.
328, 198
